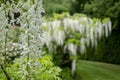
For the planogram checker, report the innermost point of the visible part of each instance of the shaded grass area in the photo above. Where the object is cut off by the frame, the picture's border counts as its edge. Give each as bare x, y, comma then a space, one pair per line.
88, 70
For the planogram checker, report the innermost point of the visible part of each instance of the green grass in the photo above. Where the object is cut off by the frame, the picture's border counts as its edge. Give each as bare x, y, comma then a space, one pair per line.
88, 70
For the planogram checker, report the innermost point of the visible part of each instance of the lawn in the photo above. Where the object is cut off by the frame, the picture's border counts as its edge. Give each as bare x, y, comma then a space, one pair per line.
88, 70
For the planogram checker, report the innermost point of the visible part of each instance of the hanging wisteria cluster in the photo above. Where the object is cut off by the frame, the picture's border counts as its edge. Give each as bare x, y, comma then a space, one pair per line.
63, 32
28, 23
30, 20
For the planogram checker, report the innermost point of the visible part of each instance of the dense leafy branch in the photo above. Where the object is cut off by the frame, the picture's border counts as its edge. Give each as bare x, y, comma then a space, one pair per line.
5, 72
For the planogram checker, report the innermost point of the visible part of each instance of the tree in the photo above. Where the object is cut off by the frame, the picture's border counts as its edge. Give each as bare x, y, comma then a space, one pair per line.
104, 8
72, 34
101, 9
31, 63
57, 6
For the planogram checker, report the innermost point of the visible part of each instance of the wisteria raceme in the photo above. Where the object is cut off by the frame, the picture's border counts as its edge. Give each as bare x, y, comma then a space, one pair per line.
92, 30
72, 48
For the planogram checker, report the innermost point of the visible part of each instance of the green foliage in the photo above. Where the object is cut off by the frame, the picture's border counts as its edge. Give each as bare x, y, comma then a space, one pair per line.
105, 20
60, 16
104, 8
73, 40
2, 77
57, 6
66, 74
42, 69
108, 49
56, 16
